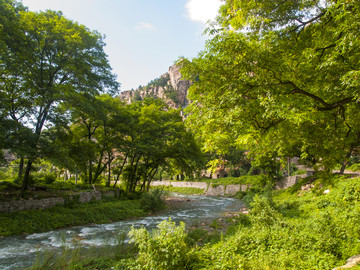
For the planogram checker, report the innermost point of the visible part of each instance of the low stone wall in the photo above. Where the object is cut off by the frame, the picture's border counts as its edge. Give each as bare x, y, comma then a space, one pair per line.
210, 190
14, 206
289, 181
21, 205
223, 190
201, 185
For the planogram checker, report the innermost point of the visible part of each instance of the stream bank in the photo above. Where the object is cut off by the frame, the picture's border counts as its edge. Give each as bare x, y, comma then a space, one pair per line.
20, 251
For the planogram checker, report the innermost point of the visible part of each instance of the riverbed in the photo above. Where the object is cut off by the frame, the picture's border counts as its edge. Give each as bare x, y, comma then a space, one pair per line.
18, 252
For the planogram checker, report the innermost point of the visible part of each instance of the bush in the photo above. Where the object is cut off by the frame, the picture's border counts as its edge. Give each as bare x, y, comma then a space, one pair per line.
165, 249
152, 201
32, 221
354, 167
49, 178
262, 213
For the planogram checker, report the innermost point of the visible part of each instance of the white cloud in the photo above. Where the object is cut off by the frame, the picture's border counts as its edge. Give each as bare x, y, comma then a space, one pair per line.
202, 10
145, 26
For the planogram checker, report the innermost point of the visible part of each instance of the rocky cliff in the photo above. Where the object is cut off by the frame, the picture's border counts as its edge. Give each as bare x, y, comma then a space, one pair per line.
170, 87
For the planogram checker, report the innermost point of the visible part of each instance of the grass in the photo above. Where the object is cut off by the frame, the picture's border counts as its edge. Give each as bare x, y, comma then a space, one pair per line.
182, 190
291, 229
34, 221
286, 229
85, 259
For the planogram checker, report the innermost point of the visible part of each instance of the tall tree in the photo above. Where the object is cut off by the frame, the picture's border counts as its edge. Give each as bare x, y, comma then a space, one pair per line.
158, 138
57, 59
279, 78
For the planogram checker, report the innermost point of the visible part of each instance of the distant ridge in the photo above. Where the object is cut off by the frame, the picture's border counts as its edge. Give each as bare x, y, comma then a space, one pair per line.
170, 87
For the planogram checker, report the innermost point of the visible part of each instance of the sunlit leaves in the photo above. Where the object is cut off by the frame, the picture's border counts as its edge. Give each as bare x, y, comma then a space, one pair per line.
286, 83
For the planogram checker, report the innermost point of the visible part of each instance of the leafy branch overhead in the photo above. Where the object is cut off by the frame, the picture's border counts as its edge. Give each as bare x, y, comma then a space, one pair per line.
279, 78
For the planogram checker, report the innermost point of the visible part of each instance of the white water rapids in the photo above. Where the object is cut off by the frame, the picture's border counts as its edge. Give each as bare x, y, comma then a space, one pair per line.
19, 252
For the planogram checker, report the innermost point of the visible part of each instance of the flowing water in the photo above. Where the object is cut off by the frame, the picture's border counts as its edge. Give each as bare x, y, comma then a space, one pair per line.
20, 251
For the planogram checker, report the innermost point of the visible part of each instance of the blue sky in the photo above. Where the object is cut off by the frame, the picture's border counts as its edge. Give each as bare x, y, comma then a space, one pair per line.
143, 37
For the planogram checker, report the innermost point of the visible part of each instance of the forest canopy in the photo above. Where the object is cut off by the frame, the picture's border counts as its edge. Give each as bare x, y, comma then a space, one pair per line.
279, 79
58, 103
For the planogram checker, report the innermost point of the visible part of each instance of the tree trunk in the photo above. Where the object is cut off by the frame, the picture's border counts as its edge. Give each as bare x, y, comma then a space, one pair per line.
346, 161
150, 179
90, 173
343, 167
133, 177
122, 167
109, 173
21, 168
25, 181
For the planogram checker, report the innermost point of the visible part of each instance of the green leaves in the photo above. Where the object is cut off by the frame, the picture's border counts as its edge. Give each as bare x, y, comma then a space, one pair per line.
287, 85
46, 60
164, 249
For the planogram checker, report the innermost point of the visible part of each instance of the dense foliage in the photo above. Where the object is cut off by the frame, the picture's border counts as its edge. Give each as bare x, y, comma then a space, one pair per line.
164, 249
57, 103
33, 221
284, 230
279, 79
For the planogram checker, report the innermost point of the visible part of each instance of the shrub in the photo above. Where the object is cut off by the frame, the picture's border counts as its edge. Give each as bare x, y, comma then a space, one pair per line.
262, 213
49, 178
354, 167
152, 201
164, 249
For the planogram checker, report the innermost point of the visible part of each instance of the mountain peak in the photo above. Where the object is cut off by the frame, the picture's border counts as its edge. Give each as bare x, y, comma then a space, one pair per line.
170, 87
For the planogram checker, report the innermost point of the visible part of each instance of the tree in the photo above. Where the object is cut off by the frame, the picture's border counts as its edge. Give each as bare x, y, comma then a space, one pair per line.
57, 59
12, 102
158, 138
279, 78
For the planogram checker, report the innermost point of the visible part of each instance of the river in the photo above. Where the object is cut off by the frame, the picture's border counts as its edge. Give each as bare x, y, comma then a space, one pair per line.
18, 252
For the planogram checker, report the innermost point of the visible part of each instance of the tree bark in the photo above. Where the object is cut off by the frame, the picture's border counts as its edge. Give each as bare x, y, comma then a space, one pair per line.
151, 178
122, 167
343, 167
109, 172
133, 177
25, 181
90, 173
21, 168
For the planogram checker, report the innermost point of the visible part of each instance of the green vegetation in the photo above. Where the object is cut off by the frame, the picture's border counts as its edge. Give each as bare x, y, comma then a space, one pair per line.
152, 201
279, 79
161, 81
242, 180
284, 230
33, 221
165, 248
172, 94
183, 190
59, 105
9, 190
91, 258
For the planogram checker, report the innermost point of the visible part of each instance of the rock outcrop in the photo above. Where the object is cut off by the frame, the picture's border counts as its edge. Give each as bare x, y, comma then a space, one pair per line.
170, 87
181, 86
350, 263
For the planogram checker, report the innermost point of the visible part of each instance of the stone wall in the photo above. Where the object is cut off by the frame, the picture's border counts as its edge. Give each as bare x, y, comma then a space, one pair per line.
201, 185
210, 190
223, 190
289, 181
21, 205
